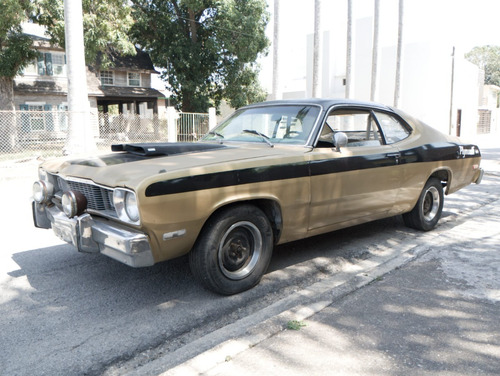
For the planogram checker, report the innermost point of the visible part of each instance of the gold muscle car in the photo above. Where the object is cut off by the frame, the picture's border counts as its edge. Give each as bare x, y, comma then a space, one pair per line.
271, 173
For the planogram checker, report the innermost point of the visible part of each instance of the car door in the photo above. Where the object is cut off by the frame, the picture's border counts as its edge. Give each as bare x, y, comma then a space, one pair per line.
358, 182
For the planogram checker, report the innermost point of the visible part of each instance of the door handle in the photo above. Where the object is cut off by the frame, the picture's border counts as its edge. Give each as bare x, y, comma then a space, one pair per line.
396, 156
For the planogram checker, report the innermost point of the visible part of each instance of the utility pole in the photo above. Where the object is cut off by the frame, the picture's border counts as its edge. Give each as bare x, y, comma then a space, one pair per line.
79, 139
316, 49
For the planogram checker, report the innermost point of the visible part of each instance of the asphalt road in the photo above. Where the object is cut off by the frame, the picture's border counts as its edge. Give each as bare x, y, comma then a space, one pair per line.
65, 313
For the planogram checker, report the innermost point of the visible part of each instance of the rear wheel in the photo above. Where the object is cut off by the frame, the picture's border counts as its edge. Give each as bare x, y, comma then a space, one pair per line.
233, 250
427, 212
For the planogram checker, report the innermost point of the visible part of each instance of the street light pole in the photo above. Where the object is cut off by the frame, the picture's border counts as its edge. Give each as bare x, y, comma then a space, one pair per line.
79, 139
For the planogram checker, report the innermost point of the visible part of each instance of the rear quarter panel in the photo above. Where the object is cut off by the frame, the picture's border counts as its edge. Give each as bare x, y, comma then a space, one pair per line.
428, 152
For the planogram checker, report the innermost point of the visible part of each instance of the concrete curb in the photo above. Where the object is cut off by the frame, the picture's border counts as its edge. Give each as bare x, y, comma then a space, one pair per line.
256, 328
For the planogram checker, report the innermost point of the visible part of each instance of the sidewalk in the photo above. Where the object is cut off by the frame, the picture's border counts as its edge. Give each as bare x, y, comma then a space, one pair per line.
436, 315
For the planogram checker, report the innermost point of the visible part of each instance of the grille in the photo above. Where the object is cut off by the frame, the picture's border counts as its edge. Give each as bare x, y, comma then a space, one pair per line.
98, 198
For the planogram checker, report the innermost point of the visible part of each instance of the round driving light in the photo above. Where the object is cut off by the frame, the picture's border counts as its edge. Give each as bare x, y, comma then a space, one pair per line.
42, 191
131, 207
73, 203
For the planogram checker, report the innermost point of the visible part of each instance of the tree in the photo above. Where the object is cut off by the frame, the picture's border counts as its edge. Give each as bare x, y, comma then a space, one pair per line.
207, 48
15, 54
348, 68
15, 47
106, 25
399, 53
488, 59
276, 52
375, 47
316, 49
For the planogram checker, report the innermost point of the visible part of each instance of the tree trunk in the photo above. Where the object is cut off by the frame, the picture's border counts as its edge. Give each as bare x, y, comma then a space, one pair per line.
276, 31
80, 138
397, 83
348, 69
373, 89
193, 27
187, 99
316, 49
8, 129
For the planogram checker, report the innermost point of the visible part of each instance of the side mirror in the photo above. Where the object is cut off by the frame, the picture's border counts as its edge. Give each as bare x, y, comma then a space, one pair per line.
340, 140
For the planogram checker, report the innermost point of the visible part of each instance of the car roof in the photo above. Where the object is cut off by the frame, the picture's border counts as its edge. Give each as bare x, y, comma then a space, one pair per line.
323, 102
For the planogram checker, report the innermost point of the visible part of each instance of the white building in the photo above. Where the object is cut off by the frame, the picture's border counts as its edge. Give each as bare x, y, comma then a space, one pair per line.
438, 85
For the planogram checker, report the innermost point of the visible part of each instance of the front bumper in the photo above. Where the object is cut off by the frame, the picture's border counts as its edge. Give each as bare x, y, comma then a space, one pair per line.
479, 177
94, 235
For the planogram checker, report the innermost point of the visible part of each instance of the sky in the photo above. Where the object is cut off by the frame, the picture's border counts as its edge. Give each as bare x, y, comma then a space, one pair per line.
460, 23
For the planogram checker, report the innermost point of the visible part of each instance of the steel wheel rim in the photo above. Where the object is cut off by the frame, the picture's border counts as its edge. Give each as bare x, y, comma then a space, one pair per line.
239, 250
431, 203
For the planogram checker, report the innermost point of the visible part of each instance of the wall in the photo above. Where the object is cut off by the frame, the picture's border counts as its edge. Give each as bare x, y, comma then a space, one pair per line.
426, 78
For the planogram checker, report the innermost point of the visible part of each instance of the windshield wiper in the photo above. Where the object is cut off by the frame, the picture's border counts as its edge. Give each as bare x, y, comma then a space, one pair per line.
257, 133
216, 134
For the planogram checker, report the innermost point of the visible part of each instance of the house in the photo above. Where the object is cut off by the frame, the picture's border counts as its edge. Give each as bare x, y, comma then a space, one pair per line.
41, 91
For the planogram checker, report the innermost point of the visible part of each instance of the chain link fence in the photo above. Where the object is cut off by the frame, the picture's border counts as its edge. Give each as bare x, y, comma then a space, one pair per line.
42, 134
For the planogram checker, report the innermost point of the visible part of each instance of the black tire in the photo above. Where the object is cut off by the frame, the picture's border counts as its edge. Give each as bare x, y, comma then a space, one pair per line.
233, 250
427, 212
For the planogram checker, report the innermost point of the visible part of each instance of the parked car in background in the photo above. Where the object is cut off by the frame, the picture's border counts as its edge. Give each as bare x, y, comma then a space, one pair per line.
271, 173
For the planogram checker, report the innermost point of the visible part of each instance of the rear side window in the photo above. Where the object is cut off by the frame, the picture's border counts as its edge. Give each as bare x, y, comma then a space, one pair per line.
392, 128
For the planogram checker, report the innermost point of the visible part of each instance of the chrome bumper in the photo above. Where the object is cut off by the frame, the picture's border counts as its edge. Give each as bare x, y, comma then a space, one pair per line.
94, 235
480, 176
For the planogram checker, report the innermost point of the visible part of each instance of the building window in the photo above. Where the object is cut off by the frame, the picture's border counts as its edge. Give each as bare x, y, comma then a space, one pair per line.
37, 120
107, 78
37, 117
134, 79
484, 123
48, 64
58, 64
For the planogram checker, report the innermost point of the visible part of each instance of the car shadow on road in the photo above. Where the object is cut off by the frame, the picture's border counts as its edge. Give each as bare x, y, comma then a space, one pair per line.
408, 322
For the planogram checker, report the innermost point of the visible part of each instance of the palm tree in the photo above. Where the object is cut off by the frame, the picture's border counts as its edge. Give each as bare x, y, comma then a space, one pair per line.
276, 50
316, 48
397, 84
79, 139
348, 69
373, 88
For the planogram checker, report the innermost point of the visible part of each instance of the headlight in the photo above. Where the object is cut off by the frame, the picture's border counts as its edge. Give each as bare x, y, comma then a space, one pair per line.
73, 203
131, 206
42, 191
42, 174
125, 203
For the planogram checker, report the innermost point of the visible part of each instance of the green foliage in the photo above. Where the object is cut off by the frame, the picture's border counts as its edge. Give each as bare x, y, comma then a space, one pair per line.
488, 59
208, 48
106, 25
295, 325
15, 48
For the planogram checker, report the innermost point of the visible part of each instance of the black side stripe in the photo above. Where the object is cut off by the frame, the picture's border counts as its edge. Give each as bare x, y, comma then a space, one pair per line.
426, 153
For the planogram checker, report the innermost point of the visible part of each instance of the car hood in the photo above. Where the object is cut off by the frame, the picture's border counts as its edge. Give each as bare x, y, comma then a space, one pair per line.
134, 164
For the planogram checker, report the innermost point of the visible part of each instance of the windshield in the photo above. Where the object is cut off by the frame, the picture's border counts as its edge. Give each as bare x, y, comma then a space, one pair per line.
270, 124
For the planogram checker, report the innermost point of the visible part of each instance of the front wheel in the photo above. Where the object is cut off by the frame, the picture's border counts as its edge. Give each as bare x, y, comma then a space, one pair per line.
427, 212
233, 250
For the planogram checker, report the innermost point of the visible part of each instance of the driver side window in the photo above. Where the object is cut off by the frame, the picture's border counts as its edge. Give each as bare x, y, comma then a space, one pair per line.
359, 126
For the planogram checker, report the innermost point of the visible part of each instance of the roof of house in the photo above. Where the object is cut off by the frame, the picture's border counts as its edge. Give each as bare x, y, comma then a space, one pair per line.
129, 92
140, 61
